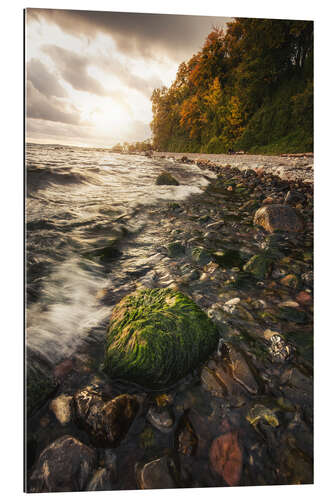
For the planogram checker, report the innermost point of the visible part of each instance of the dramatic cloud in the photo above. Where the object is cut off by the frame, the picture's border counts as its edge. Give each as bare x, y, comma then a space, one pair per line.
111, 64
90, 75
43, 80
39, 106
150, 35
74, 69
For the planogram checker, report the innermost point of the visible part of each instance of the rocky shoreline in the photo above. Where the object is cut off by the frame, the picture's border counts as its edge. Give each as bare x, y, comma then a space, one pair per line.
242, 252
290, 167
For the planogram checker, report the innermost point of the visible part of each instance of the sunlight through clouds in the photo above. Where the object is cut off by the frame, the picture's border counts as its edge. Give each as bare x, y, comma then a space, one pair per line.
98, 75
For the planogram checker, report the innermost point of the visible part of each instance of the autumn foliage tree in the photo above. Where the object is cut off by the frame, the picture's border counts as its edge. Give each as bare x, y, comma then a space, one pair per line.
227, 93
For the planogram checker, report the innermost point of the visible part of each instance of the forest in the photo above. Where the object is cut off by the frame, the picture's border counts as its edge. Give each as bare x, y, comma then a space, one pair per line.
249, 88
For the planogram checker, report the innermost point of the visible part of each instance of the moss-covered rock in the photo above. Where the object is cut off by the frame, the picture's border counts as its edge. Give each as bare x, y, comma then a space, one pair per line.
200, 256
166, 179
176, 249
228, 258
157, 336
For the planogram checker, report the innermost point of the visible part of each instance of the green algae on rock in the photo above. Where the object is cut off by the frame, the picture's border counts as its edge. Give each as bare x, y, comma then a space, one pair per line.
258, 265
157, 336
200, 256
176, 249
166, 179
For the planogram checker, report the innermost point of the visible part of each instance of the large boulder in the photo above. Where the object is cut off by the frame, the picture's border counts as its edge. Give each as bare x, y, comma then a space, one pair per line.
156, 336
278, 218
65, 465
166, 179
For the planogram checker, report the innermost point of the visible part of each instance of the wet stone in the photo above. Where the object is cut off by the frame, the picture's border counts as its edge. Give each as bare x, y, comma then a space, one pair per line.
290, 281
107, 422
40, 382
241, 371
186, 441
304, 298
157, 474
61, 407
279, 350
308, 278
65, 465
292, 313
259, 265
278, 218
200, 256
226, 457
161, 418
166, 179
156, 337
63, 368
231, 388
176, 249
228, 258
260, 412
214, 226
211, 383
101, 481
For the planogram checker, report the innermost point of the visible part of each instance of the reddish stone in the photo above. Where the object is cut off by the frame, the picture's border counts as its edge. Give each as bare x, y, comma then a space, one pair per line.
62, 369
259, 171
226, 457
304, 298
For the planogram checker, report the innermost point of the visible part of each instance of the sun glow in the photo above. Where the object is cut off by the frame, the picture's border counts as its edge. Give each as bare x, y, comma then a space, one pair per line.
109, 91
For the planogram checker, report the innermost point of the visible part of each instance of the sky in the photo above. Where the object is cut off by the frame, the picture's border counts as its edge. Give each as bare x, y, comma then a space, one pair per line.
90, 75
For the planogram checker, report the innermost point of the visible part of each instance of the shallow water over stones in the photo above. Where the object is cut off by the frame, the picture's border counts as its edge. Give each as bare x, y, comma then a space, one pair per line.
252, 399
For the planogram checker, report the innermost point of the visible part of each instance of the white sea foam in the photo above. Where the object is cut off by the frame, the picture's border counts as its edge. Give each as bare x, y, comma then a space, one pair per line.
73, 310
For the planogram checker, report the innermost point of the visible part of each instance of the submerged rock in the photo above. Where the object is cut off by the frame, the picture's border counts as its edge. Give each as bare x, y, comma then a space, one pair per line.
210, 382
65, 465
157, 336
259, 265
304, 298
241, 371
176, 249
40, 382
226, 457
61, 407
260, 412
289, 312
290, 281
186, 440
157, 474
107, 422
200, 256
279, 349
228, 258
166, 179
278, 218
161, 418
101, 481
